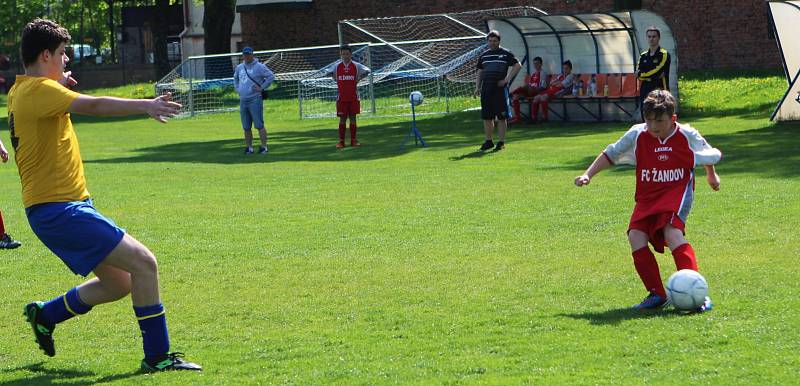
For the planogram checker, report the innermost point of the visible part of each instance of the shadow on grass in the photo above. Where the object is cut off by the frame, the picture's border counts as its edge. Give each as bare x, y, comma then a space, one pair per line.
767, 151
474, 154
761, 111
380, 140
618, 315
45, 376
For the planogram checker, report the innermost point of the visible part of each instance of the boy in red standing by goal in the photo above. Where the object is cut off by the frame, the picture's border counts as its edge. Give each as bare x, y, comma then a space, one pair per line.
346, 73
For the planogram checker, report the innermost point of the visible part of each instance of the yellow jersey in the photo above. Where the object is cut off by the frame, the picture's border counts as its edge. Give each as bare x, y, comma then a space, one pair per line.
45, 144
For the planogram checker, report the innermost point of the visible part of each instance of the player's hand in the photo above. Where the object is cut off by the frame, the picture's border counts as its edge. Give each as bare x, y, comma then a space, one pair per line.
582, 180
477, 92
713, 181
67, 79
257, 88
161, 108
3, 153
501, 83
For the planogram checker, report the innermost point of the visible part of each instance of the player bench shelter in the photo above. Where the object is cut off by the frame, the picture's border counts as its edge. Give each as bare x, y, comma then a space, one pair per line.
604, 44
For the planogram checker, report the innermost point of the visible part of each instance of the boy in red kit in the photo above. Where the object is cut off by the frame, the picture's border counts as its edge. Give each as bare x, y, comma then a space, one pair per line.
665, 153
534, 84
558, 87
347, 73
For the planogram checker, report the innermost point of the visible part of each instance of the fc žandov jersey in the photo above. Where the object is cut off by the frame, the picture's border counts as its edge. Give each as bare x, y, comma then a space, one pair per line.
347, 76
664, 168
535, 79
45, 144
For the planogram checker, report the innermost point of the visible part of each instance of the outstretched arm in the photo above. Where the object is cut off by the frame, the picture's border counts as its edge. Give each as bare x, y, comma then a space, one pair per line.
159, 108
600, 163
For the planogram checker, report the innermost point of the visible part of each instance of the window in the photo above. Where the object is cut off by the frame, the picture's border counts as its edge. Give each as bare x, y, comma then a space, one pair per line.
626, 5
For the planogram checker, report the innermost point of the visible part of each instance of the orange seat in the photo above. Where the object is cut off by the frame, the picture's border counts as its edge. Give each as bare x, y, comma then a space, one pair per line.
614, 85
630, 85
601, 80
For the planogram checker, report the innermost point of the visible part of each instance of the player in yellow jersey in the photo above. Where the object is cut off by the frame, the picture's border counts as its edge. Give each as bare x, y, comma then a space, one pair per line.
59, 207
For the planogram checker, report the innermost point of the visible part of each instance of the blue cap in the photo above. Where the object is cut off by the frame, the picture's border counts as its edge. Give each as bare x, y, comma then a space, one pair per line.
248, 50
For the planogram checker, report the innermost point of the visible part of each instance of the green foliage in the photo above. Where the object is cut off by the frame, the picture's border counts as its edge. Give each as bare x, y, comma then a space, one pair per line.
87, 20
136, 91
722, 93
379, 265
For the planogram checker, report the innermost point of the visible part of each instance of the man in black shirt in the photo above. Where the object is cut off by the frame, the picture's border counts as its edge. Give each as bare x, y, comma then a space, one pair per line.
493, 77
653, 68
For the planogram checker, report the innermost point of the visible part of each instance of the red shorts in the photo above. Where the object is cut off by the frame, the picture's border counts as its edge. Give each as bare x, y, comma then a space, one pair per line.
653, 227
345, 109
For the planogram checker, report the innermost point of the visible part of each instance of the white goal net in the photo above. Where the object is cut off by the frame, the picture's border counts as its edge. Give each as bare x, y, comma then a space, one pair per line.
433, 54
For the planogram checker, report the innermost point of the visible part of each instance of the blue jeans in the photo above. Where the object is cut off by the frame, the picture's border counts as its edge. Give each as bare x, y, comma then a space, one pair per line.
252, 112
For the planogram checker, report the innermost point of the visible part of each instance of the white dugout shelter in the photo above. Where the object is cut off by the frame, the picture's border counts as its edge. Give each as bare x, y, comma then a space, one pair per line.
597, 43
785, 20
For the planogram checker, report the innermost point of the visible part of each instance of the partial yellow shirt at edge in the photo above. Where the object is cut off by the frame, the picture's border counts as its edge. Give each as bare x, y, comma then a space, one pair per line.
46, 147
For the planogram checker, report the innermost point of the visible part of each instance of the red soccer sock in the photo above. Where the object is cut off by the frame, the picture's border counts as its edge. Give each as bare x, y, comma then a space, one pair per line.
2, 225
353, 129
684, 257
516, 103
647, 268
545, 111
342, 129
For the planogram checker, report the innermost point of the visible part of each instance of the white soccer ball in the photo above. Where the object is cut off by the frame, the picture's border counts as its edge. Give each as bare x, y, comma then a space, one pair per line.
687, 290
415, 98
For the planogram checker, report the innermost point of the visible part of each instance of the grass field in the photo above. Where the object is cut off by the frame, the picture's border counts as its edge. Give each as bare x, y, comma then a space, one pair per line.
442, 265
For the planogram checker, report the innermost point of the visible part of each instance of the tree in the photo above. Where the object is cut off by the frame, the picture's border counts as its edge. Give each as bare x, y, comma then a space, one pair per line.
160, 27
218, 16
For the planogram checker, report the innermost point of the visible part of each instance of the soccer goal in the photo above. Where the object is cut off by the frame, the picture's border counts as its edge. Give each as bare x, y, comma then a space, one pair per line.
433, 54
397, 70
204, 84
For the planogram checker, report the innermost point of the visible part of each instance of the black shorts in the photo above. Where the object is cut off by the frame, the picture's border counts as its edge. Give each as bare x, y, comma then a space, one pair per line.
494, 103
649, 86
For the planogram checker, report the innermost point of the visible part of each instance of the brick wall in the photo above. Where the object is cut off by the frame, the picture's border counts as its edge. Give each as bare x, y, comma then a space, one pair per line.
720, 33
709, 33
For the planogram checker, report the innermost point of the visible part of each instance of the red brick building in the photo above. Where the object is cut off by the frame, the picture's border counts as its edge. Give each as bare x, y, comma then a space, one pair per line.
709, 33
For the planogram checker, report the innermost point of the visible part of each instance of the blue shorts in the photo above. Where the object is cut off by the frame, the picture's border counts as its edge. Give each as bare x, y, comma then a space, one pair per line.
251, 112
76, 232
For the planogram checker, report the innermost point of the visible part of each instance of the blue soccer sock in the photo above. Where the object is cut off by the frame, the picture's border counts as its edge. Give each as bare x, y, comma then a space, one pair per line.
153, 323
64, 307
